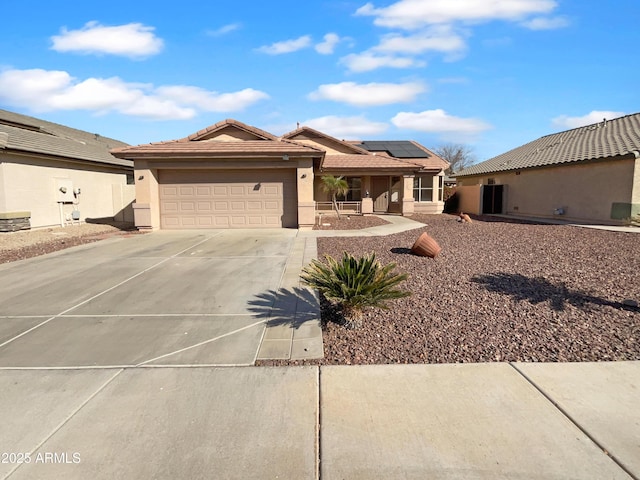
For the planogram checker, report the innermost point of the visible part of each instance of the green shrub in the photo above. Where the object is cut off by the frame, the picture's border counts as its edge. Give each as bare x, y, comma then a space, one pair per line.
355, 283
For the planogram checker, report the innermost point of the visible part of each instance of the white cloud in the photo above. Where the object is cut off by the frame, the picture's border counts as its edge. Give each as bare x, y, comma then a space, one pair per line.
286, 46
132, 40
223, 30
546, 23
328, 45
346, 127
369, 94
564, 121
413, 14
439, 121
47, 90
367, 61
440, 39
211, 101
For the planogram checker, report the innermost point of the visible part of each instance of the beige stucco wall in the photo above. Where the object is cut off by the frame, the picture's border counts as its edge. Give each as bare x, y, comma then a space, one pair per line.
586, 191
31, 185
469, 198
147, 206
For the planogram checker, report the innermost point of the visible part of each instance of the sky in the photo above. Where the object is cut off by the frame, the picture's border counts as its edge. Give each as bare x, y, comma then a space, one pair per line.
488, 74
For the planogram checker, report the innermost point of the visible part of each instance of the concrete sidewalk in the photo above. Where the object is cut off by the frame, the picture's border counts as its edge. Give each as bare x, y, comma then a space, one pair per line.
463, 421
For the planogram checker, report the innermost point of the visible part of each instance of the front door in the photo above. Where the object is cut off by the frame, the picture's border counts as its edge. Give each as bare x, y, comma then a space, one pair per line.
380, 194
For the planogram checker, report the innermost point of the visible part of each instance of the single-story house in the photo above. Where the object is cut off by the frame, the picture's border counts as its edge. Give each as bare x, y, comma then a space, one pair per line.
52, 175
233, 175
587, 174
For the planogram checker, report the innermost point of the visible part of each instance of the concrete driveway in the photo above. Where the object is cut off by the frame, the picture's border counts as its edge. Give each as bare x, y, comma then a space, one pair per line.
164, 298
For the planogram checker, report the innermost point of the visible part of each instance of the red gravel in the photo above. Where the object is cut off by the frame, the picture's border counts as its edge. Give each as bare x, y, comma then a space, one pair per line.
353, 222
498, 291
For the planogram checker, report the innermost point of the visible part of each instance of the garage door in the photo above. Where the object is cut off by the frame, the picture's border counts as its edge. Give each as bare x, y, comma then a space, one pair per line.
227, 199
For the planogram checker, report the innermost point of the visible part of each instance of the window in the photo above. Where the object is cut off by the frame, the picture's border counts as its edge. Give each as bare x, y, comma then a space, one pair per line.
491, 181
396, 188
130, 179
440, 188
355, 190
423, 188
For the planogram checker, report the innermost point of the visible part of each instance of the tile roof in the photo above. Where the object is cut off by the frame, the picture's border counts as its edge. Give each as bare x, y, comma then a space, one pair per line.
199, 135
200, 146
311, 133
609, 138
22, 133
365, 161
206, 149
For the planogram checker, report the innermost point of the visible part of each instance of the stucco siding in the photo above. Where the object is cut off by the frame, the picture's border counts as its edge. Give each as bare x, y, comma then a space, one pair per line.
584, 192
3, 202
31, 185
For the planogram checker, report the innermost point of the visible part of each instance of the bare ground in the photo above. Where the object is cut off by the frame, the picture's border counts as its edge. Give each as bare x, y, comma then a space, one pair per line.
31, 243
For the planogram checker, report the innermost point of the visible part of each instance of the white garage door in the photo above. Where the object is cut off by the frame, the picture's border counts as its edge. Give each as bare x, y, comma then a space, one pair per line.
227, 199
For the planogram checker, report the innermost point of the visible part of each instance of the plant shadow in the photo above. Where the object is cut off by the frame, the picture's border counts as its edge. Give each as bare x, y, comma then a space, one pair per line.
402, 251
293, 307
538, 290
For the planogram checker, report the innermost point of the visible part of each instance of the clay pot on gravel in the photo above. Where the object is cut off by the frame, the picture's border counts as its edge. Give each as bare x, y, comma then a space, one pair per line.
425, 246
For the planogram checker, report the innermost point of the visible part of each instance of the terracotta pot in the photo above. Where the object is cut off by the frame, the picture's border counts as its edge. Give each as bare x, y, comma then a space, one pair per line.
425, 246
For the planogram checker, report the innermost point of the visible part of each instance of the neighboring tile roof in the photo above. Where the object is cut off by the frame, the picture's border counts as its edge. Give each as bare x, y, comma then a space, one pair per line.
365, 161
606, 139
22, 133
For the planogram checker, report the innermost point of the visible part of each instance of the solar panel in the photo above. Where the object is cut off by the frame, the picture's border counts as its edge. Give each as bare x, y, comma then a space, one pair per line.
395, 148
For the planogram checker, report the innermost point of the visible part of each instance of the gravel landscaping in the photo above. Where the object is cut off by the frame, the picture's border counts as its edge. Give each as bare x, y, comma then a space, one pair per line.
346, 222
31, 243
498, 291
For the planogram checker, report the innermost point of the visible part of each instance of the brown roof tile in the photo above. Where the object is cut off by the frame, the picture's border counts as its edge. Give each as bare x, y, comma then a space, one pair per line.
194, 145
606, 139
365, 161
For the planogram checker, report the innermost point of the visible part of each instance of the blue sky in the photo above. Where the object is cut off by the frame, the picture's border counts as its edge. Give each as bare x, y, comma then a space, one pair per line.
491, 74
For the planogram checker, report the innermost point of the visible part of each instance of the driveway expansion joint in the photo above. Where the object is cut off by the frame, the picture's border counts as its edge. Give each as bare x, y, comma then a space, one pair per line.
574, 421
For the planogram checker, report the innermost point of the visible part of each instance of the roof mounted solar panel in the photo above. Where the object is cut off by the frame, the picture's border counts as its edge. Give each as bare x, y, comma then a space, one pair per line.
395, 148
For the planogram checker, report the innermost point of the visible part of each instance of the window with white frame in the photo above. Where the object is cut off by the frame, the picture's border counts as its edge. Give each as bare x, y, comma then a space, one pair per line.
423, 188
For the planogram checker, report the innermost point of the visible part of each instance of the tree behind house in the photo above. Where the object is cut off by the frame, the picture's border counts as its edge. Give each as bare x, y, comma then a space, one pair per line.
459, 156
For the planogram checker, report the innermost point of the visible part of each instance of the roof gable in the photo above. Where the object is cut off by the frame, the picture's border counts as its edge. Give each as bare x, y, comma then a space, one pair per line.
229, 130
330, 144
606, 139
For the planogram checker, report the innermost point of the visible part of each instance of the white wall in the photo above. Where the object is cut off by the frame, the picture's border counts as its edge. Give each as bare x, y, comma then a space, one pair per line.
30, 185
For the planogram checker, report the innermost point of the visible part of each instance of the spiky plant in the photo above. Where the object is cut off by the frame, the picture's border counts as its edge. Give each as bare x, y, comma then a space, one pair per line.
355, 283
335, 186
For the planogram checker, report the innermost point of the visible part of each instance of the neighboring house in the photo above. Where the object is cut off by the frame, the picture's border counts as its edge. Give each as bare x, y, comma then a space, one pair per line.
51, 175
588, 174
232, 175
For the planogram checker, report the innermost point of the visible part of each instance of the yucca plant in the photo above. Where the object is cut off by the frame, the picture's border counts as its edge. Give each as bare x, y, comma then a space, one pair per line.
355, 283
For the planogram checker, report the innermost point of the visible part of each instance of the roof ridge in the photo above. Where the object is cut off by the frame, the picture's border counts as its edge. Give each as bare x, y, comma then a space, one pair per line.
303, 128
226, 123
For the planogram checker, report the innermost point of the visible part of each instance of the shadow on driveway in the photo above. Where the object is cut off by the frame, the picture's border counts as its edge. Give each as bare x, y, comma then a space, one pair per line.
292, 307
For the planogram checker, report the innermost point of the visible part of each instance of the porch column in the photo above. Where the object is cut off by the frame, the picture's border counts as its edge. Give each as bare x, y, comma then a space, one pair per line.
306, 203
407, 195
367, 200
146, 209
